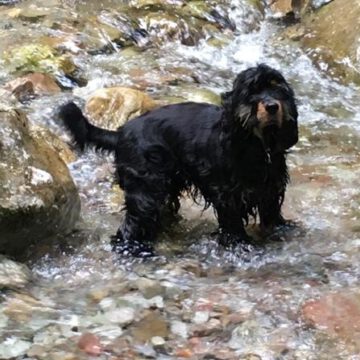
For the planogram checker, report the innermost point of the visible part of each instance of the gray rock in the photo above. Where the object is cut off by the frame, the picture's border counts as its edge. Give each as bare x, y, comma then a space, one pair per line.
179, 328
13, 347
38, 197
149, 288
12, 274
122, 316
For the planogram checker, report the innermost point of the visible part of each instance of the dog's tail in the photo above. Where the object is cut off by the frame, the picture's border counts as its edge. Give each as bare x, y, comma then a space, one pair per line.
83, 132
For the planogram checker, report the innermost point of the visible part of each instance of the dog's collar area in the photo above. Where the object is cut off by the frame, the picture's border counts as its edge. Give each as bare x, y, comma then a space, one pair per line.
268, 156
267, 150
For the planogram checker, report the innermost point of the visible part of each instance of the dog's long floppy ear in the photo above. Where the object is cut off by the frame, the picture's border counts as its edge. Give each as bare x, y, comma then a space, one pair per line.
243, 87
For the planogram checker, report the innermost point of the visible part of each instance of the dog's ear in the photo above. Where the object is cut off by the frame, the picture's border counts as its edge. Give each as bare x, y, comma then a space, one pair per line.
226, 99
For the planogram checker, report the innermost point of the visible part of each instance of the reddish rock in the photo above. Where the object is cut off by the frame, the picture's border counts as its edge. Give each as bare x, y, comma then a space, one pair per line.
34, 83
337, 314
90, 344
184, 353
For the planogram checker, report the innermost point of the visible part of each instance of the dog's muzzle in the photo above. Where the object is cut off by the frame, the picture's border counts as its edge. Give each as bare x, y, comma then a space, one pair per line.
269, 113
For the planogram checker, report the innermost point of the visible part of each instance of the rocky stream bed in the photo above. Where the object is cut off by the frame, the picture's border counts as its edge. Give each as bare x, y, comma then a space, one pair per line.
64, 295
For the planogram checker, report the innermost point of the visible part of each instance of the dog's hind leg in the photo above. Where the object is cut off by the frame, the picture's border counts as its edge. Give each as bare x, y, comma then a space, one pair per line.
144, 201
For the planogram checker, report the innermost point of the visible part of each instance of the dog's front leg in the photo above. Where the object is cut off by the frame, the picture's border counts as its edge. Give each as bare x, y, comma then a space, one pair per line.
270, 209
231, 226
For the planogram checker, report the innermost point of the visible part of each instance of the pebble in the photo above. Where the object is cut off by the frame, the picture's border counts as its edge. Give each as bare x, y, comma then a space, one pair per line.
90, 344
149, 288
12, 274
157, 341
201, 317
179, 328
122, 316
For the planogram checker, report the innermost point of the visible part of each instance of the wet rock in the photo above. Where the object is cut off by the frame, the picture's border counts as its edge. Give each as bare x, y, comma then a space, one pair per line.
36, 351
335, 49
211, 327
246, 336
112, 107
37, 58
158, 342
152, 325
33, 13
204, 11
12, 274
13, 347
110, 332
250, 357
163, 27
24, 308
116, 198
338, 314
107, 303
149, 288
201, 317
172, 291
62, 355
32, 84
106, 34
184, 353
98, 294
44, 135
179, 328
145, 3
3, 320
23, 90
90, 344
197, 95
234, 318
316, 4
282, 8
8, 2
37, 189
11, 100
121, 316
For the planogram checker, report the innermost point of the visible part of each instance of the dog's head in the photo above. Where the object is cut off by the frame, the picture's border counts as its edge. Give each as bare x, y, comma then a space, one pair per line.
263, 103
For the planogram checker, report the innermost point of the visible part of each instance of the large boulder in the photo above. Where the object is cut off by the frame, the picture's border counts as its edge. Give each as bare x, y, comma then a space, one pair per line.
38, 197
331, 37
112, 107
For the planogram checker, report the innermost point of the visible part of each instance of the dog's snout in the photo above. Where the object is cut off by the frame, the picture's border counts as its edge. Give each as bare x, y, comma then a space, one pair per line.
272, 107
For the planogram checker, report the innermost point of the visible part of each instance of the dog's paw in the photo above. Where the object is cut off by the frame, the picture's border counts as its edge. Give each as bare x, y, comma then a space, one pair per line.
132, 248
230, 241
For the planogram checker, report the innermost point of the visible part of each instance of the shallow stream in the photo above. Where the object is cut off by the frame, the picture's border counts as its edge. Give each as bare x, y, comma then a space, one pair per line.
204, 303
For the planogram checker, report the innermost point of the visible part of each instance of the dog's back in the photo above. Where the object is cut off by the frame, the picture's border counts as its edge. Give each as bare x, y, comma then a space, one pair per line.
182, 131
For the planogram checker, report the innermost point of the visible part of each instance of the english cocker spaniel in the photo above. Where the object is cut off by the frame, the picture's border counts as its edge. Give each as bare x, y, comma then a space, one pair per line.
234, 155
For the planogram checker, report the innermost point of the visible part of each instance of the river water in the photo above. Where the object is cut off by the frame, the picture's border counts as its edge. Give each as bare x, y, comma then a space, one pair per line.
250, 303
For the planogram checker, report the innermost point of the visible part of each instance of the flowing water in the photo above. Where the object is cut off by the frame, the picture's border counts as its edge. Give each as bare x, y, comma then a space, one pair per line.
264, 287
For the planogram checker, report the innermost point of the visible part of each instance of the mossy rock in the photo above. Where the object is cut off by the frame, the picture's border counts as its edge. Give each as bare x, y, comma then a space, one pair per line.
38, 58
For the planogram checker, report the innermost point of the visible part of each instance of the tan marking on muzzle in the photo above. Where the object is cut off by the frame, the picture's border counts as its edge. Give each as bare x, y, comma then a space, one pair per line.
266, 119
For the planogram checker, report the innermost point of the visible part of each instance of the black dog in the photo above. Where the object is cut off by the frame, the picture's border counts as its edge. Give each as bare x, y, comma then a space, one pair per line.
234, 155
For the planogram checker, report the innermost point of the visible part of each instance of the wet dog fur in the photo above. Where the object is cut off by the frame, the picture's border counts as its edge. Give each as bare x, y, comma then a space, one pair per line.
234, 155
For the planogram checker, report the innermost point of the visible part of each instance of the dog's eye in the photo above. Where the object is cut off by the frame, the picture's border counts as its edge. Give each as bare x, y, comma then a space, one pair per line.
279, 85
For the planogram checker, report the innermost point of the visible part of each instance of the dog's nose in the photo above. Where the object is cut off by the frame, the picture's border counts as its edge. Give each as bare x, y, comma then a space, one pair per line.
272, 108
